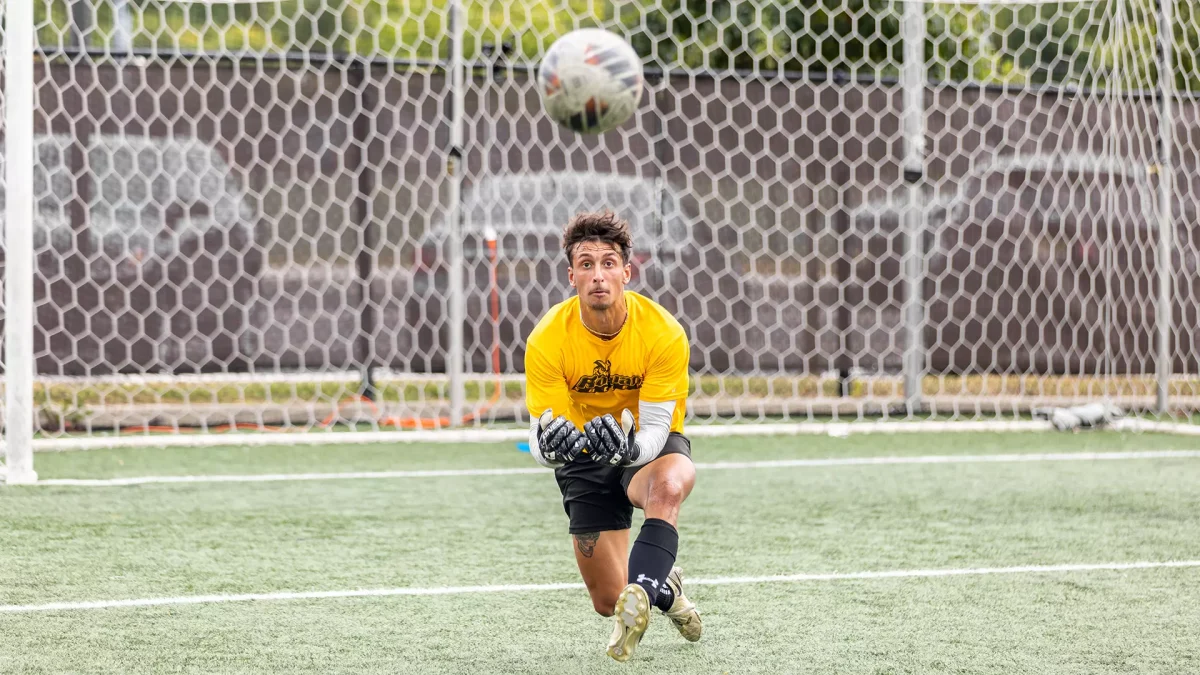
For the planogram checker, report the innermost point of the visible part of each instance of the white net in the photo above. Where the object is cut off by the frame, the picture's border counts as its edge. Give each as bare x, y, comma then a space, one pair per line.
241, 210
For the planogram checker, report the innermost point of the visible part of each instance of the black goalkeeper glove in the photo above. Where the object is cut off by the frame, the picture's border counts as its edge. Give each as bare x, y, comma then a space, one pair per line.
611, 443
558, 439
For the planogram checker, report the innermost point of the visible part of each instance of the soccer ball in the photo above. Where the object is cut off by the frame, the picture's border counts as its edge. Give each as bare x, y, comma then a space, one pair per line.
590, 80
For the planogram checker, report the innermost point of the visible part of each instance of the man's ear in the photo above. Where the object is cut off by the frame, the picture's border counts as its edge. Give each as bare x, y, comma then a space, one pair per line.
570, 275
628, 272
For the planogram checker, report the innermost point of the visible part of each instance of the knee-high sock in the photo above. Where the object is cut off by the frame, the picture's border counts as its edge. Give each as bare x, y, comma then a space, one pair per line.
651, 559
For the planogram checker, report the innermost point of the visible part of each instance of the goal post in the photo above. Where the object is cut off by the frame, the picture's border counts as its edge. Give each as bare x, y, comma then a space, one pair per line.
325, 216
18, 243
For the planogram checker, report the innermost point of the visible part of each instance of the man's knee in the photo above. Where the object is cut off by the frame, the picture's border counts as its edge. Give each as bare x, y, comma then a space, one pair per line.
667, 490
605, 603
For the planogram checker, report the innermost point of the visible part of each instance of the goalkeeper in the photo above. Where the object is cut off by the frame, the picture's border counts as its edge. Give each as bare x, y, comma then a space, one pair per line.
607, 383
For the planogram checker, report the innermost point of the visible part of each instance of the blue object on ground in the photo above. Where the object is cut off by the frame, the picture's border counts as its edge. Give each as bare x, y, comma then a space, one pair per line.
523, 446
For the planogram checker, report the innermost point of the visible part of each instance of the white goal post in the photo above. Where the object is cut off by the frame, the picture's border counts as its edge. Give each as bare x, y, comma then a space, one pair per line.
18, 242
247, 220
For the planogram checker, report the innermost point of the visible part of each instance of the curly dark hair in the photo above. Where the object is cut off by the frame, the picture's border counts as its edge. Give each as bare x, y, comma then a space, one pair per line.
602, 226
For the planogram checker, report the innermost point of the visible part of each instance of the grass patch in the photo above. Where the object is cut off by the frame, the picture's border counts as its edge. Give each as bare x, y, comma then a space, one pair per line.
168, 540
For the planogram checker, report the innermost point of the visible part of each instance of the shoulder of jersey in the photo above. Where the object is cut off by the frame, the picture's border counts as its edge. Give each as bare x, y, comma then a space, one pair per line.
555, 316
656, 310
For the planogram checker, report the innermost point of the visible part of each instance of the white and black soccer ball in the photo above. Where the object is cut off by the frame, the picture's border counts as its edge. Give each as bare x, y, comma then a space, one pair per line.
590, 81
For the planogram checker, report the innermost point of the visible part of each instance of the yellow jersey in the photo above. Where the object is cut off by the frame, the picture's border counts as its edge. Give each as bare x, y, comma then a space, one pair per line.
574, 373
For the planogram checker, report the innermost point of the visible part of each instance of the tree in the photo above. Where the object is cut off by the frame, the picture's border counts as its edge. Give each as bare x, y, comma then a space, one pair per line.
1077, 42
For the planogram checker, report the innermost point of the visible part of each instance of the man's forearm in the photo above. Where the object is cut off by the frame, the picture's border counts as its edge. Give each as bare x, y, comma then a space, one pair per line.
654, 425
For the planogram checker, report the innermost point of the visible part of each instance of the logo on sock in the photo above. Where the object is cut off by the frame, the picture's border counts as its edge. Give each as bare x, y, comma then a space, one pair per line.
653, 582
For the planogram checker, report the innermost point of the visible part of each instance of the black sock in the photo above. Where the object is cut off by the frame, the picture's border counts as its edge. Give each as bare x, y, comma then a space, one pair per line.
652, 556
666, 597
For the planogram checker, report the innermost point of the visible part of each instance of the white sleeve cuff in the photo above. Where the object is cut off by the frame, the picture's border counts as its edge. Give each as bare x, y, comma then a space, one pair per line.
534, 449
654, 425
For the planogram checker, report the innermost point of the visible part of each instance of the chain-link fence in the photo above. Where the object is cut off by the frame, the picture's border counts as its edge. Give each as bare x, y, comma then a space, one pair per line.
243, 220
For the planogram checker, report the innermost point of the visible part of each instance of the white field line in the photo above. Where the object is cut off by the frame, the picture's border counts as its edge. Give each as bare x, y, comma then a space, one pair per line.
243, 440
518, 588
277, 477
706, 466
484, 435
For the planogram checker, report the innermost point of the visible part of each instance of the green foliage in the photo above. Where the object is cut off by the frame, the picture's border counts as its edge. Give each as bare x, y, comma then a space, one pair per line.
1069, 42
59, 413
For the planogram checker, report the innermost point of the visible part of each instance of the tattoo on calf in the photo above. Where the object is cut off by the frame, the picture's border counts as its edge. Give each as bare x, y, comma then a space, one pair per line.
587, 543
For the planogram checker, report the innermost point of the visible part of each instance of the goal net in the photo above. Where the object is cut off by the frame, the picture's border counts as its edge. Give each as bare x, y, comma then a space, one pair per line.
856, 208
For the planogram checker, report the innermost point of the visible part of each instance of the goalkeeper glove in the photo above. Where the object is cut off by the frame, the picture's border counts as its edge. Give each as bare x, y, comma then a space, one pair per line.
559, 441
611, 443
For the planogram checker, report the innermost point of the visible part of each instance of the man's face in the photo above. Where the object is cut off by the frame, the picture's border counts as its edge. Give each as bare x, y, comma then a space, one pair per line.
598, 273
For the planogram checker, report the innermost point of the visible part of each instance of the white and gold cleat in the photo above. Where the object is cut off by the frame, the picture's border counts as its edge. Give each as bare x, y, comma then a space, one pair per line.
631, 617
683, 611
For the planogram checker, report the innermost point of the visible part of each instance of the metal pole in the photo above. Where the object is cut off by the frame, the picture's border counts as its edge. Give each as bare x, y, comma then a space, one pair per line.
913, 85
1166, 176
82, 12
366, 259
122, 35
454, 252
1113, 96
18, 241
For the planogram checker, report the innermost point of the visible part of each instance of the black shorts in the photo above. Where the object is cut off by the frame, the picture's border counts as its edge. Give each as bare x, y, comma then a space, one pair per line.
594, 495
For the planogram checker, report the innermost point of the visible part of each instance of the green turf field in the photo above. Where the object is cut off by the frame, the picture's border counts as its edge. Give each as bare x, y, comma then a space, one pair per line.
71, 544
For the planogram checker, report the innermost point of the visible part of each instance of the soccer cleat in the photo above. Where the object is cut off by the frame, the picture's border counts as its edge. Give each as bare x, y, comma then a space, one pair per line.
683, 611
630, 619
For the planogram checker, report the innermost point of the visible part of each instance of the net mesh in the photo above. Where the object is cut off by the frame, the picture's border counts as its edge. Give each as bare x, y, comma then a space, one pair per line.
241, 210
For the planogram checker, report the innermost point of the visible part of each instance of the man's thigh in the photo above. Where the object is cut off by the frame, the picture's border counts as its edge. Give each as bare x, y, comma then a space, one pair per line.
594, 498
674, 462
